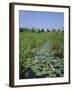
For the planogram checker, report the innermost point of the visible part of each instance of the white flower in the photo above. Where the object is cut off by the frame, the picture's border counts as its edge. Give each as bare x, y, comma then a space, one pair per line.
43, 61
36, 61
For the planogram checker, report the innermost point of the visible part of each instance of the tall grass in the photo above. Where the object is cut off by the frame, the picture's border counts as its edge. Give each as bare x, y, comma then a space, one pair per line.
57, 44
28, 41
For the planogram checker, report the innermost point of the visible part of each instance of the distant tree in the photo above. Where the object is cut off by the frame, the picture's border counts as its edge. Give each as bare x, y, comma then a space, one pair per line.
62, 30
26, 29
33, 29
38, 30
21, 29
48, 30
42, 30
53, 30
59, 30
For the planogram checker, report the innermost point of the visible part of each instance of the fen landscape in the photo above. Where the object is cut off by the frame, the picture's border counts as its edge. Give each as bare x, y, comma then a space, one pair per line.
41, 50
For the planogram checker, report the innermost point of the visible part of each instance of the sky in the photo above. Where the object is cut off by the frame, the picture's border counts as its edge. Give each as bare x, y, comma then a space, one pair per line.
38, 19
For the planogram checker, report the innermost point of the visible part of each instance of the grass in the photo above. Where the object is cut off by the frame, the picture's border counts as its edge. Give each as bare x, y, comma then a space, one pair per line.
30, 42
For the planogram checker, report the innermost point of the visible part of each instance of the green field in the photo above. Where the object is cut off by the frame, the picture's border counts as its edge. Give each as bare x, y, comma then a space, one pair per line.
41, 54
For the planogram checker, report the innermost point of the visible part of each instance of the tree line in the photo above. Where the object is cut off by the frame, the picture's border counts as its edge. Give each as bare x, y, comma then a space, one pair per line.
40, 30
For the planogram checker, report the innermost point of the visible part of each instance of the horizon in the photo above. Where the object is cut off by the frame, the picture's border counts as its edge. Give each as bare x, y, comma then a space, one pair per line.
43, 28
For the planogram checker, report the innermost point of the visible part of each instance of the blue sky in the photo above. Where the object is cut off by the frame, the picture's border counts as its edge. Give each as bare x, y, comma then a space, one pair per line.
40, 20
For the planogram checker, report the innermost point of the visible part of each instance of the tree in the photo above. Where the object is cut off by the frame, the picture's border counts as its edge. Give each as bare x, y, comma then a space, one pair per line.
59, 30
33, 29
26, 29
48, 30
42, 30
38, 30
21, 29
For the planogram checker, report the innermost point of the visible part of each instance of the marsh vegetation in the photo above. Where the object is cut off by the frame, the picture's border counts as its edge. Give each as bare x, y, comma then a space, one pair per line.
41, 53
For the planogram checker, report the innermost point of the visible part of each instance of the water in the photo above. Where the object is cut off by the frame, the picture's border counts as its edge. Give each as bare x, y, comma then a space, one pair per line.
43, 52
46, 45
